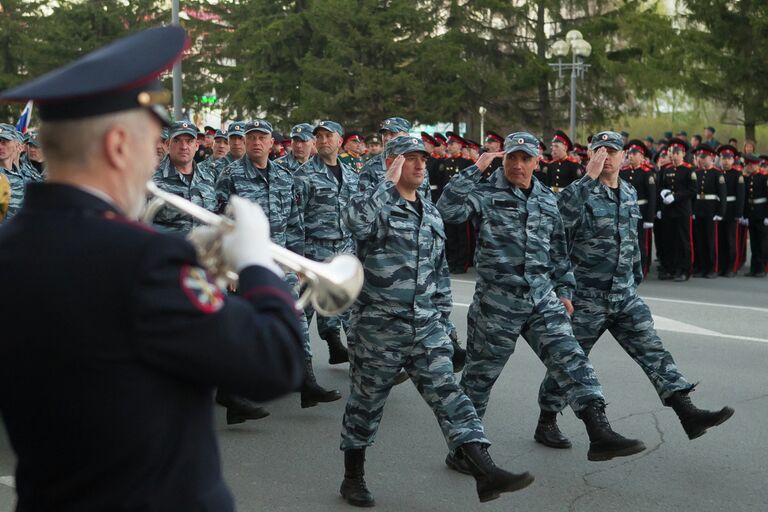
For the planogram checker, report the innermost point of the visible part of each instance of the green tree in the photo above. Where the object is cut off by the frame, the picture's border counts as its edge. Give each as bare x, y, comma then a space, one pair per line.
727, 60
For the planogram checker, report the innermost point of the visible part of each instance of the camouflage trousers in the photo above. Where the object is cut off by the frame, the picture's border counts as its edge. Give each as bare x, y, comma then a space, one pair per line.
292, 280
630, 322
496, 318
321, 250
383, 346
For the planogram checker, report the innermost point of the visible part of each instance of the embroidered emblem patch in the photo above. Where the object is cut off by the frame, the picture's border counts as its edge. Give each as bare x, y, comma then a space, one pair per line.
206, 296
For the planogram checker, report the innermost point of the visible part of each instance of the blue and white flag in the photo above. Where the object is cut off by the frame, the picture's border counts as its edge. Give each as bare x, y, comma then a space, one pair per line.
24, 118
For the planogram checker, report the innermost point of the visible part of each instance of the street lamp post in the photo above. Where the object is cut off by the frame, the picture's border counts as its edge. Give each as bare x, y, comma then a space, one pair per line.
580, 49
177, 114
482, 111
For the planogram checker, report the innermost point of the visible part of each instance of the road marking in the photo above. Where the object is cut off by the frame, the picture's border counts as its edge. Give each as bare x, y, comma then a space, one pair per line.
668, 325
710, 304
8, 480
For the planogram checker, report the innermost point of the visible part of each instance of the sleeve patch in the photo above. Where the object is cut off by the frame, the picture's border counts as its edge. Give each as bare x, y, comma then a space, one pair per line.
200, 290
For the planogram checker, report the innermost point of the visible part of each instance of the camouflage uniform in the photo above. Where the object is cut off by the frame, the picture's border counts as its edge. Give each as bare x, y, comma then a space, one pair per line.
523, 268
604, 249
277, 195
199, 190
322, 201
403, 318
288, 162
374, 171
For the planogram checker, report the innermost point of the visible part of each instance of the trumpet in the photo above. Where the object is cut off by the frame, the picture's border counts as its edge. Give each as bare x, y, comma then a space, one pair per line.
331, 286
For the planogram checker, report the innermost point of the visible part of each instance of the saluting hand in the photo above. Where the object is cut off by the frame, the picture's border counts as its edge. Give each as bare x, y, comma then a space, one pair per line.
596, 163
486, 158
396, 169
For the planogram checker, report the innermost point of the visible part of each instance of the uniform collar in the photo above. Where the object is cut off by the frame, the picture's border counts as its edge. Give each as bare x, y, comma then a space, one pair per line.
56, 196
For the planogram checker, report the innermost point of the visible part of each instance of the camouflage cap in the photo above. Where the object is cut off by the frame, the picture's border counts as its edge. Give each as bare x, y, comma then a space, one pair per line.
164, 133
32, 139
302, 131
259, 125
522, 141
395, 124
8, 132
328, 125
236, 128
182, 128
607, 139
404, 144
220, 134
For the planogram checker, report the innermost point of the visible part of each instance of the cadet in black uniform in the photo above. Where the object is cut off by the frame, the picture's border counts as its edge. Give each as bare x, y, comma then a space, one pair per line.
677, 184
457, 244
642, 175
734, 210
563, 169
135, 336
756, 212
709, 211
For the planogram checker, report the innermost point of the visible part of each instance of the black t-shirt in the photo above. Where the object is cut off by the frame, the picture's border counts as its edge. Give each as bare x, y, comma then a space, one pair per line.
264, 173
336, 170
416, 205
527, 191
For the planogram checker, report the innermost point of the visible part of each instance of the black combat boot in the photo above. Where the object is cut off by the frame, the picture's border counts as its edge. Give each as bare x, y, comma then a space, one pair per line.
491, 480
547, 432
604, 443
311, 392
695, 421
455, 460
336, 349
459, 356
353, 488
239, 409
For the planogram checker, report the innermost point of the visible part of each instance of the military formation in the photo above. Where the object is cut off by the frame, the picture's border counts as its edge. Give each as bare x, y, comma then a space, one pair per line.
560, 244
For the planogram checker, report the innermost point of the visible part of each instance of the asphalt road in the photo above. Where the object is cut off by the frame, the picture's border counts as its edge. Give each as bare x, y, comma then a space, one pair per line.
717, 331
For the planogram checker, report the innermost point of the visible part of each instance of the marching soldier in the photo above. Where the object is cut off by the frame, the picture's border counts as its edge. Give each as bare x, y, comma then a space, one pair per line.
161, 147
181, 175
709, 212
540, 173
756, 212
374, 169
403, 323
677, 183
563, 169
642, 176
524, 286
326, 186
260, 180
600, 213
36, 155
729, 227
354, 150
302, 147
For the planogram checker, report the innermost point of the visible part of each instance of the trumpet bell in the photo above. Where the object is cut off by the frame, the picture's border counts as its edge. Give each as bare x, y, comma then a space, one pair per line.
337, 288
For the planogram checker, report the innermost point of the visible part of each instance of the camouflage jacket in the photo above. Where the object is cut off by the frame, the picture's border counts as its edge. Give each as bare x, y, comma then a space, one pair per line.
278, 197
28, 170
521, 242
323, 199
406, 273
602, 237
374, 171
198, 190
288, 162
18, 179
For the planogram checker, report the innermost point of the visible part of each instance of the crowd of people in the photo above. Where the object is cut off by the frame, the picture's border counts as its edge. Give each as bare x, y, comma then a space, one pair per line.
558, 244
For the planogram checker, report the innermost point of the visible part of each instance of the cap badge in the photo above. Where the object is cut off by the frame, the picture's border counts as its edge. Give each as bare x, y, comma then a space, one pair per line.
415, 141
256, 123
521, 140
184, 125
605, 136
